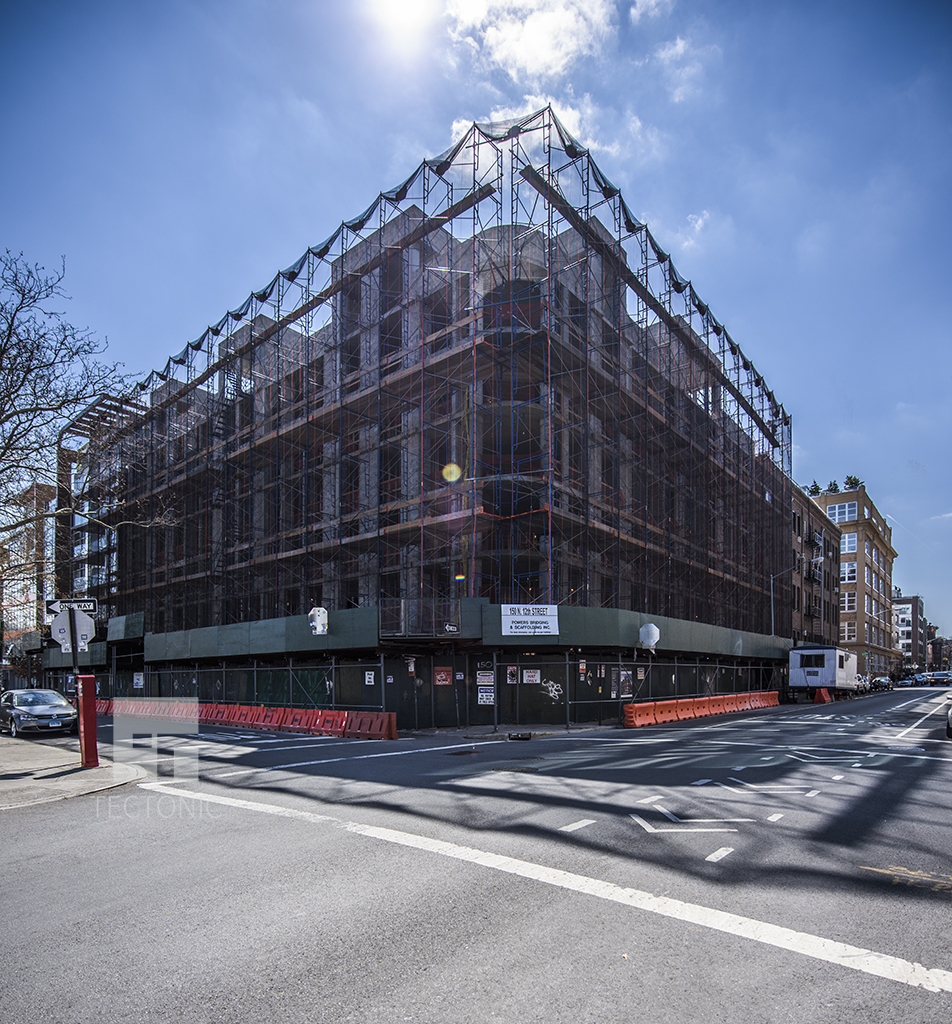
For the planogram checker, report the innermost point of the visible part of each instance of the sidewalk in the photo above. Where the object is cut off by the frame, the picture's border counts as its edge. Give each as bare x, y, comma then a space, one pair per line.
32, 772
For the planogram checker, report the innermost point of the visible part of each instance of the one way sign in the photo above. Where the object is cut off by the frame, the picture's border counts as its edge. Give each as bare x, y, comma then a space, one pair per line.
89, 605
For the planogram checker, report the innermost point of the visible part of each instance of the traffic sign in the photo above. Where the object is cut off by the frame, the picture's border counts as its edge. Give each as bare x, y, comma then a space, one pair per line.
82, 604
85, 630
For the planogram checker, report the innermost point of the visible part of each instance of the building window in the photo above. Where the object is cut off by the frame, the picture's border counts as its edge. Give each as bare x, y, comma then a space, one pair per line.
847, 631
869, 549
869, 575
847, 543
847, 572
869, 604
842, 513
848, 601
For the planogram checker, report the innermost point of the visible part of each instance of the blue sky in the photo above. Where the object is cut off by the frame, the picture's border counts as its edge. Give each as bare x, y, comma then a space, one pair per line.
794, 157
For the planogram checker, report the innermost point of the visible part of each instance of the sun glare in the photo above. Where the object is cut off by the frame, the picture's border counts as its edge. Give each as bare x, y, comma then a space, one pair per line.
404, 23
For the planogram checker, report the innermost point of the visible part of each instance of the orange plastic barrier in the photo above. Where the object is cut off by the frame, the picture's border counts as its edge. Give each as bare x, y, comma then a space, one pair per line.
247, 715
334, 723
666, 711
298, 720
273, 718
773, 699
822, 697
218, 712
743, 701
637, 715
686, 708
368, 725
702, 707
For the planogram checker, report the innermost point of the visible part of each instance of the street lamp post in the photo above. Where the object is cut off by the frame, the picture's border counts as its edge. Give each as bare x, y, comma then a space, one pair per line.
773, 631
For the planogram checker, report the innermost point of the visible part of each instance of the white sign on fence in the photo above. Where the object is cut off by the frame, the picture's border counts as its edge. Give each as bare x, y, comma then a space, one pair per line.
530, 620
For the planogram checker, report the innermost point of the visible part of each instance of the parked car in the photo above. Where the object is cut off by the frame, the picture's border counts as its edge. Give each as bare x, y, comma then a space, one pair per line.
24, 711
882, 683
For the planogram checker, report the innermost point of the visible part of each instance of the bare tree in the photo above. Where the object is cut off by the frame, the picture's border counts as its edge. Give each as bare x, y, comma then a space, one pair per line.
50, 372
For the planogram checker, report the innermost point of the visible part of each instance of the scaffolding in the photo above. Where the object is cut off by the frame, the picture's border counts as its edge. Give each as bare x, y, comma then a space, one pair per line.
493, 383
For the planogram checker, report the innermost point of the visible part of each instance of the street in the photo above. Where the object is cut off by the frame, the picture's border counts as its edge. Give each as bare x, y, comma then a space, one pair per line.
785, 865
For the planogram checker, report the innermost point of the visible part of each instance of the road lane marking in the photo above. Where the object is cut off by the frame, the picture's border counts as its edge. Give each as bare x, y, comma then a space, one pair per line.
938, 707
775, 817
359, 757
649, 799
577, 825
842, 954
720, 854
673, 817
650, 828
813, 792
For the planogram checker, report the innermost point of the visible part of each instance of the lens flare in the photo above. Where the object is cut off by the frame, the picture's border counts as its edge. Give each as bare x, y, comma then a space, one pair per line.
451, 472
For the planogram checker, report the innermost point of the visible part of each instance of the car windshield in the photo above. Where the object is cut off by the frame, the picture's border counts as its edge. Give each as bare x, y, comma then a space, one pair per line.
38, 698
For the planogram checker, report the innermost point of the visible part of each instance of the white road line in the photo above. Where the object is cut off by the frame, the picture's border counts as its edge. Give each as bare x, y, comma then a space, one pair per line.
938, 707
649, 799
358, 757
775, 817
836, 778
720, 854
577, 825
674, 817
650, 828
813, 792
842, 954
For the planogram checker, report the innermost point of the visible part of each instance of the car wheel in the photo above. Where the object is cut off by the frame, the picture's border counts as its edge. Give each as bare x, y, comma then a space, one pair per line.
948, 731
14, 731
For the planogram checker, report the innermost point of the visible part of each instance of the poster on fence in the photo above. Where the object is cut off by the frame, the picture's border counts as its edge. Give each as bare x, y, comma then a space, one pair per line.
442, 675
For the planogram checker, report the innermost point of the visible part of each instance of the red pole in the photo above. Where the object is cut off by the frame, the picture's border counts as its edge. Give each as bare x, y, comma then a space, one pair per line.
86, 700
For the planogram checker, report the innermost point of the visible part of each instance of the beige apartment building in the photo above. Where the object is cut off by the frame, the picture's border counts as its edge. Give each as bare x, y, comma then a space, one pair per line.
866, 563
815, 573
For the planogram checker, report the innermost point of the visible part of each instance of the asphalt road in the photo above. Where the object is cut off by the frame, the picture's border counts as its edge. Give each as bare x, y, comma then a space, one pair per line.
787, 865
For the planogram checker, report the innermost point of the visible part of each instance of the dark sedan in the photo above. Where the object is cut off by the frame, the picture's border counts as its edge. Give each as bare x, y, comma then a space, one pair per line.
24, 711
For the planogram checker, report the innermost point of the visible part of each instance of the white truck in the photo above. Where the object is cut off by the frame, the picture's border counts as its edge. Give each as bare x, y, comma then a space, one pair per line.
813, 667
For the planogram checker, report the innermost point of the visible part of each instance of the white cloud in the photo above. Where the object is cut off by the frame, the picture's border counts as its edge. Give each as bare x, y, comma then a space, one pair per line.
649, 142
531, 39
649, 9
683, 66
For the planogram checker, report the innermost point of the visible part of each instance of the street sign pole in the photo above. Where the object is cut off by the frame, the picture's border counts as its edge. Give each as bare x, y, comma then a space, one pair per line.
85, 700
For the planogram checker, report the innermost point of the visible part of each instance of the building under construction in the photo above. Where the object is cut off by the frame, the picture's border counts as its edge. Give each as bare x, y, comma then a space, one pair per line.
490, 394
